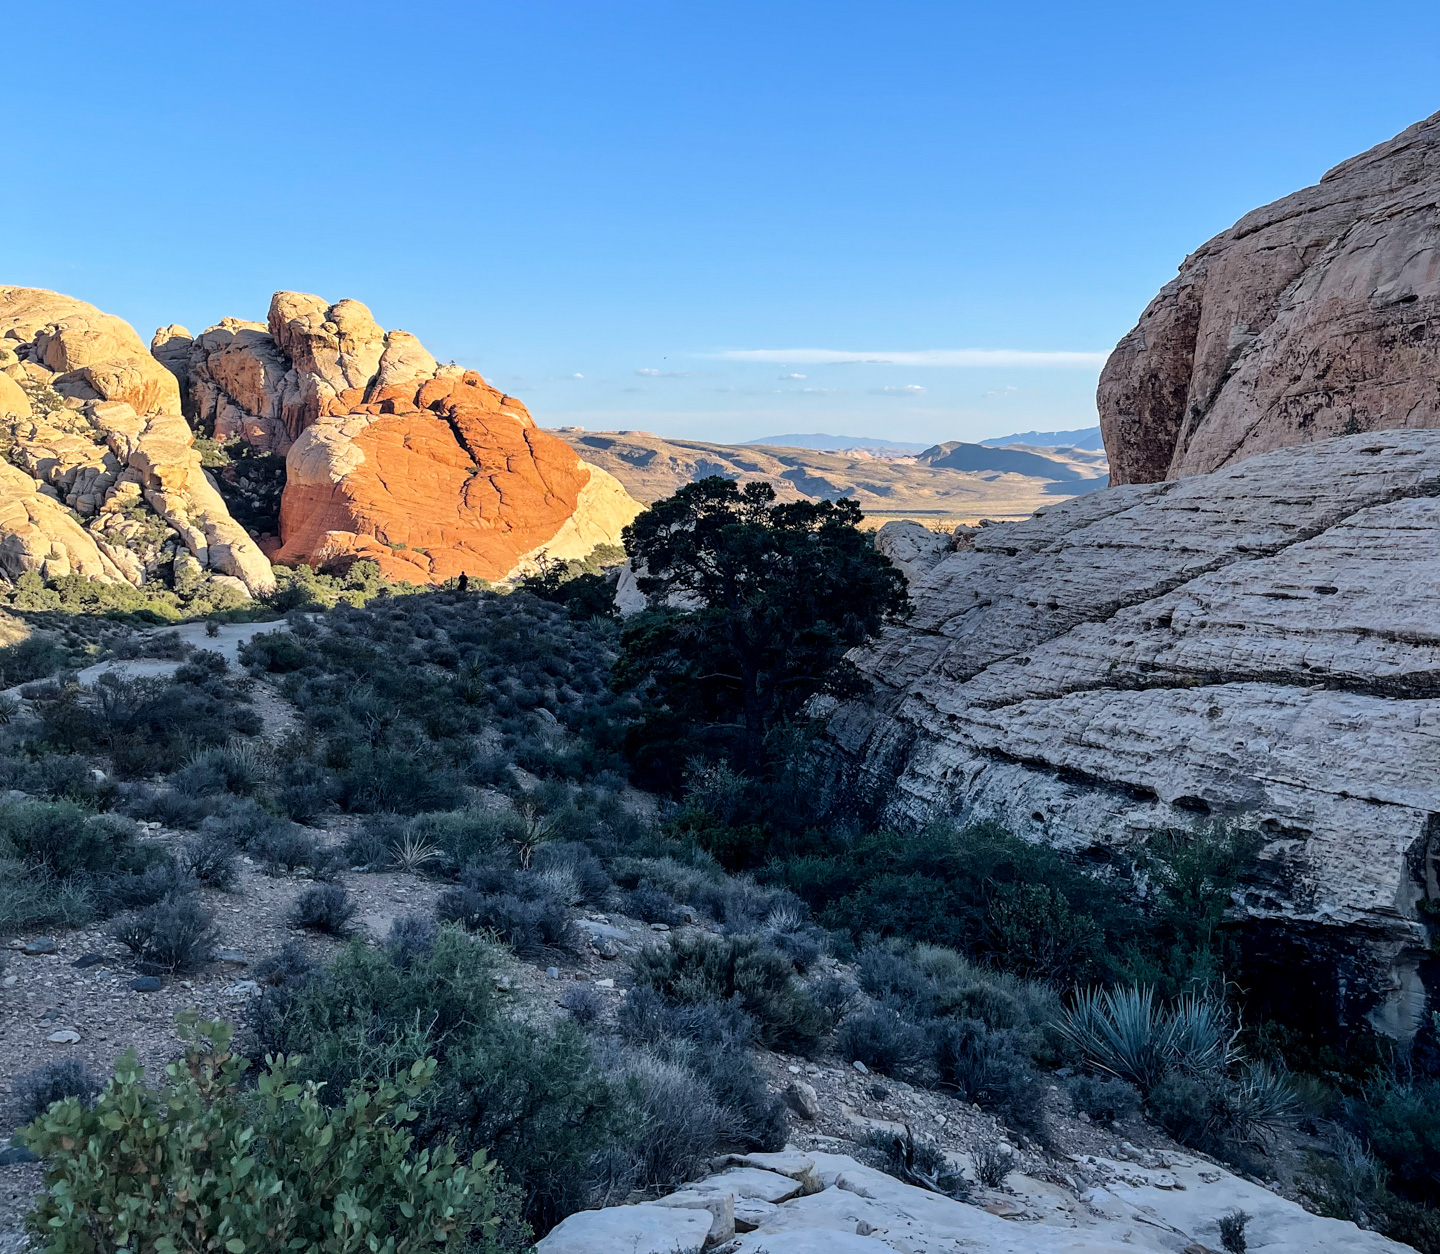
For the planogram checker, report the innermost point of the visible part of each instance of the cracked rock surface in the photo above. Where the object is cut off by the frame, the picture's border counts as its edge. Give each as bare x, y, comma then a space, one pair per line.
1259, 646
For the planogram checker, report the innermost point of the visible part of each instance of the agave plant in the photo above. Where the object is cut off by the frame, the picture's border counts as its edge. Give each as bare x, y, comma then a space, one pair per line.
412, 852
1126, 1033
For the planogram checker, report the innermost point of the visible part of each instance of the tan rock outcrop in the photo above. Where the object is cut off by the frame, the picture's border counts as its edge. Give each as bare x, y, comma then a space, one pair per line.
1258, 647
108, 439
1316, 316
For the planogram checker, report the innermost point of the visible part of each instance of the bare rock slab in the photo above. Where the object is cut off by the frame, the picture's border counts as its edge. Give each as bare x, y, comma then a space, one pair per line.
643, 1229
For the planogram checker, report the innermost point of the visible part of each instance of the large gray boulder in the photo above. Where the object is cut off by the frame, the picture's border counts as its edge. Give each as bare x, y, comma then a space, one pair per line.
1258, 647
1311, 317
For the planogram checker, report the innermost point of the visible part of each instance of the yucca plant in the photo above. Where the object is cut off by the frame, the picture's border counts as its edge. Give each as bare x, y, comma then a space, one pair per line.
412, 852
1126, 1033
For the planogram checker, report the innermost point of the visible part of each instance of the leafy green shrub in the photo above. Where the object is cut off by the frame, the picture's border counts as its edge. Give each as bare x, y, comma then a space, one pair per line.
1220, 1114
31, 659
698, 967
36, 1091
1107, 1101
174, 934
234, 768
275, 1171
275, 652
533, 1098
324, 908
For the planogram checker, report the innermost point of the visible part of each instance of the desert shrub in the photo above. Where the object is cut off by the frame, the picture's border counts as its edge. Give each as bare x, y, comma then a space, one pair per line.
1400, 1123
678, 1127
697, 968
285, 968
592, 884
584, 1003
881, 1039
324, 908
269, 1167
30, 659
146, 724
519, 907
834, 996
992, 1161
234, 768
991, 1068
651, 904
915, 1161
211, 861
1108, 1101
275, 652
37, 1090
62, 865
1232, 1231
1221, 1114
534, 1098
404, 780
411, 936
166, 806
174, 934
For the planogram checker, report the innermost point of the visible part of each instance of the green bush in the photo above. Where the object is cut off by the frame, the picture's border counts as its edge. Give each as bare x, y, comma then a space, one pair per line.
272, 1170
696, 967
532, 1098
1401, 1124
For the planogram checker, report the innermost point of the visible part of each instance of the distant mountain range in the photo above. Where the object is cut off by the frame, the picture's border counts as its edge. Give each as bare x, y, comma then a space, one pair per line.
941, 484
1084, 437
839, 443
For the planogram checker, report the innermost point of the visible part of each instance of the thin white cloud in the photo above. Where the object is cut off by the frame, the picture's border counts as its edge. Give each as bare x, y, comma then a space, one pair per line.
908, 389
654, 374
963, 358
792, 376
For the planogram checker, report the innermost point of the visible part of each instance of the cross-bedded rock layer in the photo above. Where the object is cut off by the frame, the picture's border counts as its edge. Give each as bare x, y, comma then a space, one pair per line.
1259, 646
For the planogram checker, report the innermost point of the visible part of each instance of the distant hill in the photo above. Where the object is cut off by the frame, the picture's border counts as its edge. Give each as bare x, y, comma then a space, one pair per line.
1084, 437
991, 483
838, 443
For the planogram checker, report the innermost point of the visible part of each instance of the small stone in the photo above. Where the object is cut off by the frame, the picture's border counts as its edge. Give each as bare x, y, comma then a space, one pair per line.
604, 983
793, 1070
502, 983
9, 981
146, 984
88, 960
243, 988
12, 1155
40, 945
607, 948
659, 927
64, 1036
861, 1067
236, 956
552, 973
1083, 1117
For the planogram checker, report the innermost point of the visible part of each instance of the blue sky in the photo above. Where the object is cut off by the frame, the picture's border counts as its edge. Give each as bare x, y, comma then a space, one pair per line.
634, 215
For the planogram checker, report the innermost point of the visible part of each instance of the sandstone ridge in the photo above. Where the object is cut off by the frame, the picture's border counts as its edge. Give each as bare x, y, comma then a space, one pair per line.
425, 469
1312, 317
1256, 647
99, 477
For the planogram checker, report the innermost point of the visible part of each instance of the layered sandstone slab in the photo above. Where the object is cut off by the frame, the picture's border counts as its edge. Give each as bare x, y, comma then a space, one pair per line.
390, 457
1258, 647
92, 424
1316, 316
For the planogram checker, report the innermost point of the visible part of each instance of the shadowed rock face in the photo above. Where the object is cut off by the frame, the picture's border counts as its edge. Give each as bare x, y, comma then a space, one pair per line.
425, 469
101, 479
1259, 646
1316, 316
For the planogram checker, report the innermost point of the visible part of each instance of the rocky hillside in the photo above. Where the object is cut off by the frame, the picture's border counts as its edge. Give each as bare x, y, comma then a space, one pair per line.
1309, 318
947, 483
1256, 648
98, 473
390, 457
